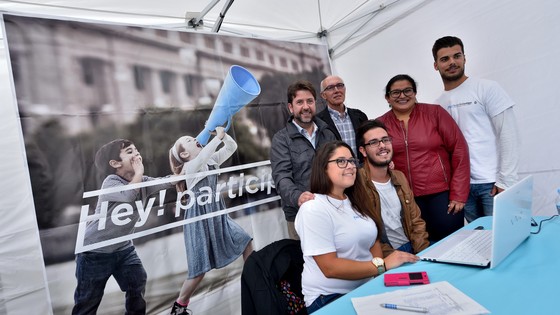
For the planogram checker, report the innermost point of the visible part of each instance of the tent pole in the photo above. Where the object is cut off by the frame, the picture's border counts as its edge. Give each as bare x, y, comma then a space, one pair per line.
351, 33
197, 20
218, 23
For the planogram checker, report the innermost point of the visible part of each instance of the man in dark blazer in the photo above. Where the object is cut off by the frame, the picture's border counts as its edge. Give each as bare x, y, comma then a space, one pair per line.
293, 149
343, 121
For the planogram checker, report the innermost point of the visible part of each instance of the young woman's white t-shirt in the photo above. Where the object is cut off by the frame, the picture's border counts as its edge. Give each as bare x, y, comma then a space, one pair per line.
326, 227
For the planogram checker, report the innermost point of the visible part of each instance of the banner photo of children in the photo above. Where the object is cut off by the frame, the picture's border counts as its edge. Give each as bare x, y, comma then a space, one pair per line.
148, 157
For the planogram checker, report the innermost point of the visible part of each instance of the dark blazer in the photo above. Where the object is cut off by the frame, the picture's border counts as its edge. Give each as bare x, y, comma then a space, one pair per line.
356, 116
291, 157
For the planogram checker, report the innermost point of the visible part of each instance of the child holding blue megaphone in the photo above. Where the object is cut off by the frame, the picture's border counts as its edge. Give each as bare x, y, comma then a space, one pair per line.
239, 89
214, 242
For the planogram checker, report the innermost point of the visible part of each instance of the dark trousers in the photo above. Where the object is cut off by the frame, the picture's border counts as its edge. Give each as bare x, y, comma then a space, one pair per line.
321, 301
439, 223
94, 269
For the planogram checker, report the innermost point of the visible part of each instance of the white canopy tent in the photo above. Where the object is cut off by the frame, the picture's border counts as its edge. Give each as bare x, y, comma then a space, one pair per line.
511, 42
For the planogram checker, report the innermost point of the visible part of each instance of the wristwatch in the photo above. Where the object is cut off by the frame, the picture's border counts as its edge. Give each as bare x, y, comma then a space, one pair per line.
379, 264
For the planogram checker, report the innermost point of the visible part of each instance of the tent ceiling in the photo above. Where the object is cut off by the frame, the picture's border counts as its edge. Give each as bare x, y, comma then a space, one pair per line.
344, 24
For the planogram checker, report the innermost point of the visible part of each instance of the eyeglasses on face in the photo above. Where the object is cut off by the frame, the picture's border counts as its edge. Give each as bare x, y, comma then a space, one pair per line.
342, 162
338, 86
396, 93
377, 142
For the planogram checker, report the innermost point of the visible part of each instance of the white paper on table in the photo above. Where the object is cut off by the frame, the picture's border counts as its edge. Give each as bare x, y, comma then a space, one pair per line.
439, 298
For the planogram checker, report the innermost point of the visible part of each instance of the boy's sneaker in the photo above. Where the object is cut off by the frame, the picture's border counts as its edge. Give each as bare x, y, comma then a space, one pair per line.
178, 309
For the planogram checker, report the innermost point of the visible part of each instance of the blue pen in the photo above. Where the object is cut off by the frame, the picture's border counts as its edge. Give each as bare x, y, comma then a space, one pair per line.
405, 308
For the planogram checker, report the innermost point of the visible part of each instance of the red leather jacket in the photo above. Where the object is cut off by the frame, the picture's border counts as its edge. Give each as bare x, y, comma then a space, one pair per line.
432, 153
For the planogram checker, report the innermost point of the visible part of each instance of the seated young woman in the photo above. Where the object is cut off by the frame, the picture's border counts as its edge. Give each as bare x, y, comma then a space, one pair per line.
339, 230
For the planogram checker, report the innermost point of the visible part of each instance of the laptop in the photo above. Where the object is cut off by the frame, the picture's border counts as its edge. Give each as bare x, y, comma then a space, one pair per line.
511, 225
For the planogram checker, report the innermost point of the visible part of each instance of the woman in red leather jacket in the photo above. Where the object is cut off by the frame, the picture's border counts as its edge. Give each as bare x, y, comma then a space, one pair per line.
431, 151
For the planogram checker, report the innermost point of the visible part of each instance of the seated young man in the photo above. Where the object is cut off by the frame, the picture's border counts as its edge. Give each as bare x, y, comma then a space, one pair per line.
388, 190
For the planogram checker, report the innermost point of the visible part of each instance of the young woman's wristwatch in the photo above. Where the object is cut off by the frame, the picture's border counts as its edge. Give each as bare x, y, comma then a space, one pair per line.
379, 263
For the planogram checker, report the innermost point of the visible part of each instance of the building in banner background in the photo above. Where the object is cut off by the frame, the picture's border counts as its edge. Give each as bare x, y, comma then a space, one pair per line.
116, 69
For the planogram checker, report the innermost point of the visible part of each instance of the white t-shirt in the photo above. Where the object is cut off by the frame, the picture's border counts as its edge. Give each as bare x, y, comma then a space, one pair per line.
473, 104
391, 213
324, 229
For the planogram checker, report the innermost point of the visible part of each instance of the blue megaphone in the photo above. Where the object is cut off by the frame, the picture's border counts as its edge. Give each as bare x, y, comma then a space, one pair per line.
240, 87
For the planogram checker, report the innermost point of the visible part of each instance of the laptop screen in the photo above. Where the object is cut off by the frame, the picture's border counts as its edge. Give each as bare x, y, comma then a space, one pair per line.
511, 225
512, 219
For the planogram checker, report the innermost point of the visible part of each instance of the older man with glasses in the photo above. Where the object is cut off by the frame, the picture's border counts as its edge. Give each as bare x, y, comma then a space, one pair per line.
343, 121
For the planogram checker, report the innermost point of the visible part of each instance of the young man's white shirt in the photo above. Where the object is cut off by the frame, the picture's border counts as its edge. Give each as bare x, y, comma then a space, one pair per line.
391, 213
484, 113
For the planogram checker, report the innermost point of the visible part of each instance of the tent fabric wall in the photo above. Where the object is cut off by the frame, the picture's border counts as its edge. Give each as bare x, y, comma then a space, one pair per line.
22, 272
510, 42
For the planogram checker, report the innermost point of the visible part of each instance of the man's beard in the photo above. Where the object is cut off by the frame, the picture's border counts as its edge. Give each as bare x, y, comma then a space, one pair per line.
378, 164
455, 77
298, 118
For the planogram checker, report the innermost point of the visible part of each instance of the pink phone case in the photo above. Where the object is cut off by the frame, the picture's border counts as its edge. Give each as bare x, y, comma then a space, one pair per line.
406, 278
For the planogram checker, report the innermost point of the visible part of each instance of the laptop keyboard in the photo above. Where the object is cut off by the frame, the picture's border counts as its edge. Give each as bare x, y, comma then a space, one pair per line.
476, 247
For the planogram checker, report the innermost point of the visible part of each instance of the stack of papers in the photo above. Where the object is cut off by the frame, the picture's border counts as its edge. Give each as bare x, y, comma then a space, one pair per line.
437, 298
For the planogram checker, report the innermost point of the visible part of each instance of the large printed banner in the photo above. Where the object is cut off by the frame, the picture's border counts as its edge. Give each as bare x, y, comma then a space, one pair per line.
126, 167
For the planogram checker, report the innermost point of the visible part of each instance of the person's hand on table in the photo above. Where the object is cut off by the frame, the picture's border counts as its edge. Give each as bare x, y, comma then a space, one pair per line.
397, 258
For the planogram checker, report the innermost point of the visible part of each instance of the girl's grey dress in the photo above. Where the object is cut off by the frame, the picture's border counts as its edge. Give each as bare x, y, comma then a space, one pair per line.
214, 242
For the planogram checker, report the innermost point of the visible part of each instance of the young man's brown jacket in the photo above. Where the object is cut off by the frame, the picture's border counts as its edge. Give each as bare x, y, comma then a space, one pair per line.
413, 224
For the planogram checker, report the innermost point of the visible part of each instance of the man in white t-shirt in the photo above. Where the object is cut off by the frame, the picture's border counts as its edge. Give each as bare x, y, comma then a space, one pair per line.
484, 113
388, 190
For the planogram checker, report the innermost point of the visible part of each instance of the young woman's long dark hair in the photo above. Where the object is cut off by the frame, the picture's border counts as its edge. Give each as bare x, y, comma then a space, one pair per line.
320, 182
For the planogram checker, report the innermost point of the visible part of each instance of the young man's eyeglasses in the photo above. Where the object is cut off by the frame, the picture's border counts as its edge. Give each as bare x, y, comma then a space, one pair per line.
396, 93
342, 162
331, 87
377, 142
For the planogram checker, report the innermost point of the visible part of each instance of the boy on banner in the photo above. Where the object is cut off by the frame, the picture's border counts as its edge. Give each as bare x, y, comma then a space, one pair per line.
122, 161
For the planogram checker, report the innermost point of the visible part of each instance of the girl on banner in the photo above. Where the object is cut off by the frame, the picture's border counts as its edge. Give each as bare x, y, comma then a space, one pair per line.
214, 242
